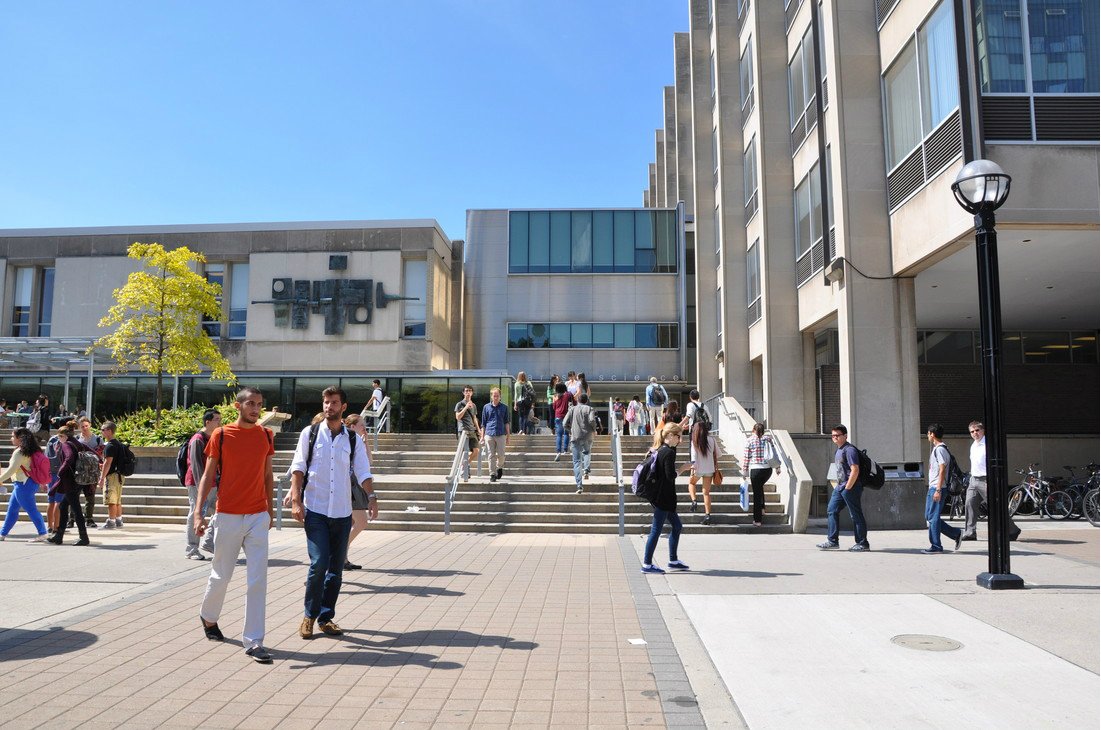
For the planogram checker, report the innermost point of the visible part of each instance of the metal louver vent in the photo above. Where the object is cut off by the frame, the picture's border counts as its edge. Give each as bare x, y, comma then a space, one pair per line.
818, 256
833, 245
944, 145
906, 178
803, 269
791, 11
751, 208
1006, 118
882, 9
812, 114
825, 93
753, 313
1066, 118
799, 133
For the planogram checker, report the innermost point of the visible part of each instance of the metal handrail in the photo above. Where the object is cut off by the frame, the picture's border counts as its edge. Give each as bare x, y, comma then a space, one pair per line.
452, 484
380, 421
615, 430
712, 405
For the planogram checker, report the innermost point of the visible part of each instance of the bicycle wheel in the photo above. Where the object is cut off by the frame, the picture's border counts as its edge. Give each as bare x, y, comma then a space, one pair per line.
1016, 497
1090, 506
1059, 504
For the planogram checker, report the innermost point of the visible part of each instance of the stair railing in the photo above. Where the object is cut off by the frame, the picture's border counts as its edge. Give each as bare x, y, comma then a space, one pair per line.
615, 430
381, 416
712, 406
451, 487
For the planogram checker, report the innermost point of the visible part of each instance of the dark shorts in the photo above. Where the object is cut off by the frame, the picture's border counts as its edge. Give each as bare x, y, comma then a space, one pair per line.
471, 441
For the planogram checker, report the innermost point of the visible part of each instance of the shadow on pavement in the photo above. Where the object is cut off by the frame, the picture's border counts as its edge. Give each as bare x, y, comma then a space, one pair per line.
1062, 588
738, 574
364, 653
418, 572
284, 563
124, 548
441, 637
19, 644
408, 590
1051, 541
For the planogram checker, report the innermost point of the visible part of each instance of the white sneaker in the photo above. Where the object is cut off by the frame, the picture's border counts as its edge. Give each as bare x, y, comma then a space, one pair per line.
38, 538
3, 537
118, 522
108, 525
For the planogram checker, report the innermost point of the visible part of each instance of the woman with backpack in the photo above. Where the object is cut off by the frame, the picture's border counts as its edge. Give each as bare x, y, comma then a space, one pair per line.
562, 402
360, 502
523, 399
671, 415
554, 381
705, 462
758, 449
29, 470
664, 499
636, 417
66, 485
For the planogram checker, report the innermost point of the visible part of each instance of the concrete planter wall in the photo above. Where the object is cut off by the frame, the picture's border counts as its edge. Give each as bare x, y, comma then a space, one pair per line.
155, 459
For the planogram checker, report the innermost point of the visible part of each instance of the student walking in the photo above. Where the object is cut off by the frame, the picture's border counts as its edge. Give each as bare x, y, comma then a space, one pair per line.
496, 429
705, 462
847, 493
66, 485
636, 417
581, 423
29, 471
466, 417
562, 402
321, 498
939, 461
196, 465
551, 393
361, 501
665, 501
95, 443
755, 465
977, 485
656, 398
241, 452
523, 400
110, 479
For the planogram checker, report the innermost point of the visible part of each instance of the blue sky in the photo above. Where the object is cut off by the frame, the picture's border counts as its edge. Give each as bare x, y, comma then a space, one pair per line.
134, 113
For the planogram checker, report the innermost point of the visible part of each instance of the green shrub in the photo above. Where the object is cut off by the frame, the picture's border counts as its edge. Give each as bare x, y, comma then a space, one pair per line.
177, 424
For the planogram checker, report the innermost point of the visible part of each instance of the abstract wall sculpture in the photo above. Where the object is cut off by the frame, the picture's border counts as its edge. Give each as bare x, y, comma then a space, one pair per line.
340, 301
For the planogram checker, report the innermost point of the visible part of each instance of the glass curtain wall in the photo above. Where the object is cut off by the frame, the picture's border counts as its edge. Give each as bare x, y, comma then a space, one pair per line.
593, 241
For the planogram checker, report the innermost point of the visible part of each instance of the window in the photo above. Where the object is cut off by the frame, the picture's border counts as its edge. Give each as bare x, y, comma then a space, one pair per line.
949, 347
1059, 51
753, 281
414, 284
593, 241
749, 179
215, 274
714, 78
745, 67
21, 302
801, 91
719, 313
45, 301
715, 152
718, 229
238, 301
595, 335
808, 211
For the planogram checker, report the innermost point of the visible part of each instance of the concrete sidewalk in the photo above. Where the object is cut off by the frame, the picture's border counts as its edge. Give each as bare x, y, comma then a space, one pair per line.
556, 630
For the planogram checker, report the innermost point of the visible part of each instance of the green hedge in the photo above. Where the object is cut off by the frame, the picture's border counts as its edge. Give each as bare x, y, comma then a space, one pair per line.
177, 424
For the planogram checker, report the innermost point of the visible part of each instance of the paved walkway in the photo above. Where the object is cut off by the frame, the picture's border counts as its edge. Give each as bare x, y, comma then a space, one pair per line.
555, 631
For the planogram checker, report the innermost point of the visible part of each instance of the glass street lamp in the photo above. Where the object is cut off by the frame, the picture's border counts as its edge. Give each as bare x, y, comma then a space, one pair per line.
980, 189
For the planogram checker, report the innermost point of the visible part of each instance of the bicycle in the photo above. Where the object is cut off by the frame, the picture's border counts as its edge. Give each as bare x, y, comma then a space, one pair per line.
1078, 489
1035, 496
1090, 506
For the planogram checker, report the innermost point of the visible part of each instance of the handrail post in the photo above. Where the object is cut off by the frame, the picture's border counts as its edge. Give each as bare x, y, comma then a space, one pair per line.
278, 501
617, 463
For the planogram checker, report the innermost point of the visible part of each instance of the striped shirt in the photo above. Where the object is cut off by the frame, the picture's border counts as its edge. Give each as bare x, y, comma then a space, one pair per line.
754, 456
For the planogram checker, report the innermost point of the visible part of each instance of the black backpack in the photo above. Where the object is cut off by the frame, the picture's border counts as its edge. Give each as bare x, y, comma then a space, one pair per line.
657, 395
700, 415
871, 473
182, 458
954, 479
126, 462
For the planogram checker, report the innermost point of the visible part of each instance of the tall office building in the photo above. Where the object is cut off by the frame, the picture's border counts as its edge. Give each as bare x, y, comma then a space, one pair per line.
814, 144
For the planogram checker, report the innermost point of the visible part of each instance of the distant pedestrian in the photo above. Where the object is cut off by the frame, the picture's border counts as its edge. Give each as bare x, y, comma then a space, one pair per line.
693, 407
706, 452
583, 386
580, 421
665, 501
361, 501
110, 479
551, 392
636, 417
374, 404
977, 485
672, 414
523, 400
196, 465
573, 385
54, 498
656, 398
39, 421
618, 410
847, 493
562, 402
327, 456
939, 461
755, 466
496, 430
242, 452
29, 472
66, 485
95, 443
466, 418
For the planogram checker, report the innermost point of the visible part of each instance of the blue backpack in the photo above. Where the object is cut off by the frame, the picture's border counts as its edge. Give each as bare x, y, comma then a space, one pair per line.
644, 482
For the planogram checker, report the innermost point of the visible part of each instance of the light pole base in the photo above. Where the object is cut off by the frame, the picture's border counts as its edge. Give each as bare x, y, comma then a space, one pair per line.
1000, 581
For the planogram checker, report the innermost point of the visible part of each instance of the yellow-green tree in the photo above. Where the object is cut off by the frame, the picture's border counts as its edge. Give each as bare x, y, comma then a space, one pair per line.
158, 315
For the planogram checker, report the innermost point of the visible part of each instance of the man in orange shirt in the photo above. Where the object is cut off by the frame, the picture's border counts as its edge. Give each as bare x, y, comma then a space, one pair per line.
241, 452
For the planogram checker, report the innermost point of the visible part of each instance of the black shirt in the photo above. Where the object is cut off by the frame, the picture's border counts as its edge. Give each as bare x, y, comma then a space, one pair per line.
113, 452
666, 471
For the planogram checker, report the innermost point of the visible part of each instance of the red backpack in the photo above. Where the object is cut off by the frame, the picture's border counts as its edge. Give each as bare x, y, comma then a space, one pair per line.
40, 469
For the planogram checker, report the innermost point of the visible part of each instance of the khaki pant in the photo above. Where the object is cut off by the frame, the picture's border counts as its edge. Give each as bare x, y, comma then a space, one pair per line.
112, 492
496, 445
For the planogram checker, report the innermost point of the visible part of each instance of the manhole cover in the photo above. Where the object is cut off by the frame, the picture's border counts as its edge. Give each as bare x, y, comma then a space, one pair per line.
926, 642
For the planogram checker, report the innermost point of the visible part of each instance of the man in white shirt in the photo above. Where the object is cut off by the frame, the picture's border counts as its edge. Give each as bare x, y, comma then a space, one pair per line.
976, 487
327, 458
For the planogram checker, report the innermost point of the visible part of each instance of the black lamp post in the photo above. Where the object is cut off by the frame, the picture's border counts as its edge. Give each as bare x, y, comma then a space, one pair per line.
980, 189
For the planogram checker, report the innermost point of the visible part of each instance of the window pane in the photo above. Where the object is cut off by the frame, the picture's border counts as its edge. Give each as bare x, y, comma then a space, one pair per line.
415, 284
746, 68
1000, 46
582, 241
560, 241
215, 274
21, 302
540, 335
646, 336
803, 240
940, 88
1063, 41
518, 335
949, 347
1084, 347
238, 301
602, 241
603, 335
581, 335
795, 88
644, 229
539, 242
518, 242
1011, 348
815, 203
46, 302
749, 170
666, 240
1046, 347
903, 116
753, 273
624, 240
667, 336
559, 335
624, 335
806, 50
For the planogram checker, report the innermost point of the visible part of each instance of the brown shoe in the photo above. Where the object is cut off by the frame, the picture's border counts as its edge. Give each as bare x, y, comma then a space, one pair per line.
330, 628
305, 629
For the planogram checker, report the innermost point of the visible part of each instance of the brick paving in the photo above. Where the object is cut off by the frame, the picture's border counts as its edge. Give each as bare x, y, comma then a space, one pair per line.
459, 631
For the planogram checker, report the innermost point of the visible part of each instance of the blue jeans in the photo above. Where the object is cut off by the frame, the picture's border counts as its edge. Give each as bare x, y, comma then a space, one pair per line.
937, 526
327, 541
582, 452
22, 496
561, 437
660, 516
851, 499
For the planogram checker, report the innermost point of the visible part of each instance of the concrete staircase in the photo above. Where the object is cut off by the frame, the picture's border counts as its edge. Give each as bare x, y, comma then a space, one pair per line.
537, 494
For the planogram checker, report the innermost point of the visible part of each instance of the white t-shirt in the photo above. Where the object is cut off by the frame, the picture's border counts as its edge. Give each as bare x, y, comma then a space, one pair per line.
978, 457
376, 399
